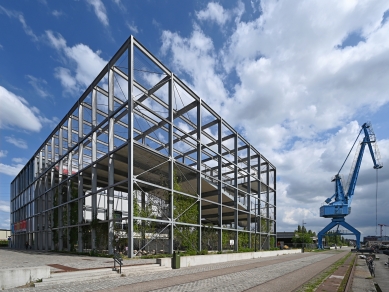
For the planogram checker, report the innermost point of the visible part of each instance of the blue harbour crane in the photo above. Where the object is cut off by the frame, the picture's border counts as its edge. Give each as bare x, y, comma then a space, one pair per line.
339, 205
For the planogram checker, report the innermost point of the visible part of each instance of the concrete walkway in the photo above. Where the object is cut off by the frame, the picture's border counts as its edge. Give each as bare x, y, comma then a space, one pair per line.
58, 262
362, 280
283, 273
280, 273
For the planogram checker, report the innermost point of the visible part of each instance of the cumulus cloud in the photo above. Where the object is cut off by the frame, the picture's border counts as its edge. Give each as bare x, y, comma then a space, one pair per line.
300, 91
3, 153
20, 143
214, 12
13, 107
100, 11
288, 59
11, 170
82, 64
195, 57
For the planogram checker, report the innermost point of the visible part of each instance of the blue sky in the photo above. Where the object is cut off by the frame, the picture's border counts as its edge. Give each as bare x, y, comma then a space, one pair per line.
298, 80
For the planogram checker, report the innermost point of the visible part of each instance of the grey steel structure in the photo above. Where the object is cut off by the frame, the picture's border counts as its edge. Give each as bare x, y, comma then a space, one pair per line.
155, 172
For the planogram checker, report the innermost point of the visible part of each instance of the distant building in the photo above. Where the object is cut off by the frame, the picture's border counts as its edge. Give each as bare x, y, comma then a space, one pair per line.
285, 237
370, 238
4, 233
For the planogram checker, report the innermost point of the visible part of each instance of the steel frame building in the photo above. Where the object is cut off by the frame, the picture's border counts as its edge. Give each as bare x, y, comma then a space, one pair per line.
160, 170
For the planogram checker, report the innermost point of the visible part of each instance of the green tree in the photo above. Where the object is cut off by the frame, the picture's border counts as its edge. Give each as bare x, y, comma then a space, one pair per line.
301, 235
186, 210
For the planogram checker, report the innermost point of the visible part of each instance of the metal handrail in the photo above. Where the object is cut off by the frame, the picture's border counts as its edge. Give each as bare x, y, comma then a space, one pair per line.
117, 259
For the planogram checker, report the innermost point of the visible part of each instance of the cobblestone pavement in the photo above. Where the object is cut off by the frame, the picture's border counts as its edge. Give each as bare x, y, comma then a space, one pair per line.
27, 258
230, 276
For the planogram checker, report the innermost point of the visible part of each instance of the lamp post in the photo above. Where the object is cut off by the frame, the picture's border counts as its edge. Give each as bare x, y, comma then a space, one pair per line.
303, 233
256, 225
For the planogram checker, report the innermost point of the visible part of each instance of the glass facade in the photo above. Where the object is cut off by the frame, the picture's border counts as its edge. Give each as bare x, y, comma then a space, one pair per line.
155, 172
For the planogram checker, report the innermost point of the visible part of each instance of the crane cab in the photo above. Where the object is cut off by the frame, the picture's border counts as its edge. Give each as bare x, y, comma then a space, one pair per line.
334, 211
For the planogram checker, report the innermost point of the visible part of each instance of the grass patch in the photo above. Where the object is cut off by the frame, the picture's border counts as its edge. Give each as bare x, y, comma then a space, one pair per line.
315, 282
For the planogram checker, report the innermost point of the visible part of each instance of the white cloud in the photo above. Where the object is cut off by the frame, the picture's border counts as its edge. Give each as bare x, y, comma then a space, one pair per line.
19, 160
298, 96
3, 153
19, 16
56, 40
20, 143
38, 84
288, 58
12, 108
4, 208
68, 82
120, 5
100, 11
133, 28
11, 170
83, 64
214, 12
57, 13
196, 57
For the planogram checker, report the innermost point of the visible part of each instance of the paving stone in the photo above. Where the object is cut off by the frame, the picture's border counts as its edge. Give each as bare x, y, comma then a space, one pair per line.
229, 276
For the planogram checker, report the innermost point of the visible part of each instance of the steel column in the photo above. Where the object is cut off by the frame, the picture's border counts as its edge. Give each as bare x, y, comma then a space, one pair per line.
80, 217
130, 118
60, 209
111, 168
198, 130
69, 183
258, 205
94, 167
248, 200
220, 186
236, 212
267, 205
171, 163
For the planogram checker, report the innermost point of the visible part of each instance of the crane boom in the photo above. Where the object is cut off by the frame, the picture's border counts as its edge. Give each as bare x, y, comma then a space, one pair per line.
339, 205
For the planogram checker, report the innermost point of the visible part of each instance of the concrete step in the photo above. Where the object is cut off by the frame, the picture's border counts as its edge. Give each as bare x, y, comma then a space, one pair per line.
87, 275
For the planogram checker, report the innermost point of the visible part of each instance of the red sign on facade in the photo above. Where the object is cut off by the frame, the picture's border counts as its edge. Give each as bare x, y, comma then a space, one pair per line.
20, 226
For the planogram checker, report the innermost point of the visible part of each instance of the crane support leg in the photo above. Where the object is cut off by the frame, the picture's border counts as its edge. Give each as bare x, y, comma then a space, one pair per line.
331, 225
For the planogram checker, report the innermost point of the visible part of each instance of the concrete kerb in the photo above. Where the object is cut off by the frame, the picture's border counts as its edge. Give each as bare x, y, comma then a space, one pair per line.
190, 261
11, 278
